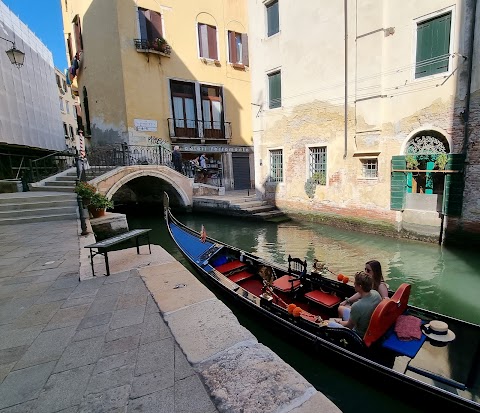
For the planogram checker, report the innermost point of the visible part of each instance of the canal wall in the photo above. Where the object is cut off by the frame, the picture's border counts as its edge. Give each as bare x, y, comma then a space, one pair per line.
239, 373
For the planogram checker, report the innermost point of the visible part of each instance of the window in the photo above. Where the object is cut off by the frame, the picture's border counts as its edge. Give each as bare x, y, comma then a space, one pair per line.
64, 83
317, 164
77, 31
274, 90
207, 39
276, 165
433, 46
67, 106
58, 81
65, 130
69, 47
369, 168
61, 104
71, 131
272, 18
238, 48
150, 23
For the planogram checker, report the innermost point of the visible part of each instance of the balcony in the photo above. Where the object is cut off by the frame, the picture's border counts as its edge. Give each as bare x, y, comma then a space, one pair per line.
158, 46
198, 130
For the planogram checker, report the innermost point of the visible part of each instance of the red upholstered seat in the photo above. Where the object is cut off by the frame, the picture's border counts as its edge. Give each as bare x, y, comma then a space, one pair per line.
230, 266
283, 284
325, 299
386, 314
240, 276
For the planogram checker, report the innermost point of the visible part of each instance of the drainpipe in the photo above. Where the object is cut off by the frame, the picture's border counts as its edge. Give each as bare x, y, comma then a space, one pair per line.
346, 78
466, 113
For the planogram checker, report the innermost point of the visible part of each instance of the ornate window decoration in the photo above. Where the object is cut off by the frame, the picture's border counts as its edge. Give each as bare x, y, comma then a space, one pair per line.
426, 145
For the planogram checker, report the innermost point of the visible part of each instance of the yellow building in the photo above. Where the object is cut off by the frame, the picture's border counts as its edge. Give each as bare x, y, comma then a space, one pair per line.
151, 72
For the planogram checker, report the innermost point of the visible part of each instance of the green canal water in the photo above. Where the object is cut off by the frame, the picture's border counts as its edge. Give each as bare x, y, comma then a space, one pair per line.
443, 280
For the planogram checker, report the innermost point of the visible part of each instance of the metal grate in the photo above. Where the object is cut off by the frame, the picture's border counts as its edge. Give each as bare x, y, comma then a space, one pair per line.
318, 164
276, 165
370, 168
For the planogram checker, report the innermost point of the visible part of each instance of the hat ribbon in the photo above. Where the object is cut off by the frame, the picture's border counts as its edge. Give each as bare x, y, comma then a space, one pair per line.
428, 330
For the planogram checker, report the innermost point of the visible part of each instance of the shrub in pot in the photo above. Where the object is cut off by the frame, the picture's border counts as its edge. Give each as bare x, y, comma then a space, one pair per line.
98, 204
85, 191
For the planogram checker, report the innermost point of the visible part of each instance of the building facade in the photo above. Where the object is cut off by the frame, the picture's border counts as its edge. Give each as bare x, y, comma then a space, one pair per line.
30, 122
365, 113
173, 72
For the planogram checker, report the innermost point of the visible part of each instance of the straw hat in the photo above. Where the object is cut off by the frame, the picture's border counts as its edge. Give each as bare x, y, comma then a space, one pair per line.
438, 331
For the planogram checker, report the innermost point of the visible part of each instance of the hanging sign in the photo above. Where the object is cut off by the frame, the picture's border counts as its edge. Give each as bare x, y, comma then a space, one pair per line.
145, 125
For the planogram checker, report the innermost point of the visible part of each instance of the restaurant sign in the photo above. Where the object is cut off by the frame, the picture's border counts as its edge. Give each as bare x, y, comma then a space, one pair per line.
185, 147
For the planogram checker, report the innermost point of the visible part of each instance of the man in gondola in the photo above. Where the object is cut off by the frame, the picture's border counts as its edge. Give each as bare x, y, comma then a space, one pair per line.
362, 309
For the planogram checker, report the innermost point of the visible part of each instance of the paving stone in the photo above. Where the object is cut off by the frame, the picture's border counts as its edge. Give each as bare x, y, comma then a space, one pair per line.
154, 328
67, 281
24, 385
67, 317
86, 333
48, 346
109, 400
151, 383
46, 277
54, 295
13, 308
127, 317
191, 396
117, 277
37, 314
17, 280
182, 366
95, 320
27, 407
12, 354
155, 356
4, 370
111, 289
11, 337
73, 302
162, 401
103, 304
121, 345
131, 300
65, 389
80, 353
110, 379
88, 287
135, 285
115, 361
133, 330
151, 306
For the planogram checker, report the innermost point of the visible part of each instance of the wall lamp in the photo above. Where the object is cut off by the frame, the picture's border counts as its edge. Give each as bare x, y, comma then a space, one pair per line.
16, 56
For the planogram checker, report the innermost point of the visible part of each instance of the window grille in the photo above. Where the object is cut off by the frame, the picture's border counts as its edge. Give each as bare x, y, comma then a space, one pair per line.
370, 168
276, 165
318, 164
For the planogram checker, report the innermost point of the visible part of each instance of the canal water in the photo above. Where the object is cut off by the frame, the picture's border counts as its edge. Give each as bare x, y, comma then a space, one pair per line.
443, 280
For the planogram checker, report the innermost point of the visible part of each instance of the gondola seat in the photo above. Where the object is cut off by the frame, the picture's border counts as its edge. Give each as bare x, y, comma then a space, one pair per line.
323, 299
240, 276
230, 266
386, 313
287, 283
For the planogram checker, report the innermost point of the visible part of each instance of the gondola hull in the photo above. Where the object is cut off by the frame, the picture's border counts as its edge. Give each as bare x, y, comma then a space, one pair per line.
448, 373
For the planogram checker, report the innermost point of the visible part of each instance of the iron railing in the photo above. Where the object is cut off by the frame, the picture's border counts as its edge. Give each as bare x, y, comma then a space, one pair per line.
50, 165
159, 45
199, 129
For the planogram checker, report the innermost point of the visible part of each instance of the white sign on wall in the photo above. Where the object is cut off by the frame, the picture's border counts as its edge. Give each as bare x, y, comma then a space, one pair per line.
145, 125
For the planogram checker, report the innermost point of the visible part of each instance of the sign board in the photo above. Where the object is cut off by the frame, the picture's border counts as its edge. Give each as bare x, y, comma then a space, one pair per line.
185, 147
145, 125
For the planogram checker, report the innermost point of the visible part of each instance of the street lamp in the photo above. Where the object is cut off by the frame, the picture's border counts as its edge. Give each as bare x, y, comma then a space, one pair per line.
16, 56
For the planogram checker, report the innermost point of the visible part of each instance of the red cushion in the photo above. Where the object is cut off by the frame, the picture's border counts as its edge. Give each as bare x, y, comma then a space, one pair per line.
240, 276
283, 284
325, 299
229, 266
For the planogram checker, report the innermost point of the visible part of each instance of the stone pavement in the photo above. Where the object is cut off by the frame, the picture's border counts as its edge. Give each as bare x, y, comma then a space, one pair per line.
96, 346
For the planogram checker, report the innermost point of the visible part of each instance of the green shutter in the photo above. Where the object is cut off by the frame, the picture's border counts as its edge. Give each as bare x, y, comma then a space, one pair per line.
272, 19
453, 190
398, 183
274, 90
433, 46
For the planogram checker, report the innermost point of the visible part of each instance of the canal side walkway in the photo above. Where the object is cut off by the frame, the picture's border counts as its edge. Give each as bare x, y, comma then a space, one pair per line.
149, 338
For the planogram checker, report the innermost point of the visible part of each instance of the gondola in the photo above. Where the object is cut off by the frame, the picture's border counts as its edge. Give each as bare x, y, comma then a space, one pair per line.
301, 302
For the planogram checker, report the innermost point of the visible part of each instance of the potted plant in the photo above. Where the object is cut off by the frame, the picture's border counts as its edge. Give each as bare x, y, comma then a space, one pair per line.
98, 204
85, 191
412, 162
441, 160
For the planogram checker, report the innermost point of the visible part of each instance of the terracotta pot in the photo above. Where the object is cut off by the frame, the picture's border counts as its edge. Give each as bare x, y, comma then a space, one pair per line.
96, 212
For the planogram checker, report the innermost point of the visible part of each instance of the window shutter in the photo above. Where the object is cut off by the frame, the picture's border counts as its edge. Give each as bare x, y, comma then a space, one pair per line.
454, 184
245, 49
77, 34
155, 25
398, 184
212, 42
232, 48
272, 19
69, 46
275, 90
203, 40
142, 23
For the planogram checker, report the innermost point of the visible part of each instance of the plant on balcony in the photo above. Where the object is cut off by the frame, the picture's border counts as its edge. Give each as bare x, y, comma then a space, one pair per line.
412, 162
161, 45
441, 160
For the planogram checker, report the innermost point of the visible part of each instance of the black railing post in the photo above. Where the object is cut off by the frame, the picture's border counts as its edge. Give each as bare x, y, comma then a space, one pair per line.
83, 224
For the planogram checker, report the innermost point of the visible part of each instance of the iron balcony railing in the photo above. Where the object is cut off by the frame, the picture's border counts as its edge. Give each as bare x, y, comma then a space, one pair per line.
158, 45
199, 129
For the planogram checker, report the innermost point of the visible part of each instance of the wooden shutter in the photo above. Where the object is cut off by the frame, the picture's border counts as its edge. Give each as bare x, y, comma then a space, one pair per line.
77, 34
245, 49
232, 47
454, 185
398, 182
203, 39
274, 90
154, 25
212, 42
272, 18
433, 46
142, 23
69, 46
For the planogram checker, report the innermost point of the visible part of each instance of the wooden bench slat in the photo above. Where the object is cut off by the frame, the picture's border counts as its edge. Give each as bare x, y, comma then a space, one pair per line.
118, 238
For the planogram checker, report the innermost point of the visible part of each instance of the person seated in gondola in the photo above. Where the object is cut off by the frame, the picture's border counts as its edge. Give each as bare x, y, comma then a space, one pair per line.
374, 269
361, 310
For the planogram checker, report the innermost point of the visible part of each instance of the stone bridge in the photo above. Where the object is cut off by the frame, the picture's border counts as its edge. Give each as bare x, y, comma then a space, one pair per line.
110, 182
